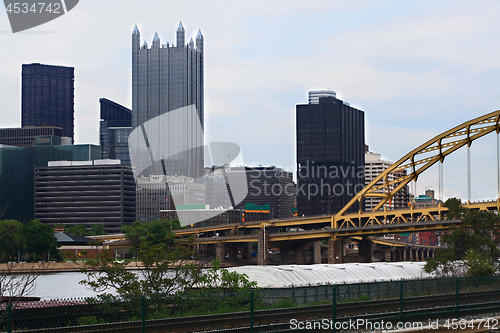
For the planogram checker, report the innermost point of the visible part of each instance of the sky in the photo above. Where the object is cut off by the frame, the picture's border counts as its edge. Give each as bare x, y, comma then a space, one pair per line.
417, 69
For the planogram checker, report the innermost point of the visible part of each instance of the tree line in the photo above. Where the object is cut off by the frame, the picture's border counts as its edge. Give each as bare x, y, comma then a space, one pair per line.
471, 249
31, 241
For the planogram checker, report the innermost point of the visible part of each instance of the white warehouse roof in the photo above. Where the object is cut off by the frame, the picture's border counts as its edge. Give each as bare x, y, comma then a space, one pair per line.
322, 274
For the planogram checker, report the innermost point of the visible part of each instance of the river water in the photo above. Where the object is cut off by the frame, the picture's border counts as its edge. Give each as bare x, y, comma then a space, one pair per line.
61, 286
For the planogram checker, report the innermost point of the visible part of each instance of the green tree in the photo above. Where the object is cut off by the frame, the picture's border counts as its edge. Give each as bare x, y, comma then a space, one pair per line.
97, 229
471, 248
17, 279
78, 230
215, 278
165, 262
40, 241
479, 263
12, 239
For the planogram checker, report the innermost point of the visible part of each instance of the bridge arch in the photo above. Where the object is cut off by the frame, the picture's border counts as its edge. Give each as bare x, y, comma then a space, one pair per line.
387, 184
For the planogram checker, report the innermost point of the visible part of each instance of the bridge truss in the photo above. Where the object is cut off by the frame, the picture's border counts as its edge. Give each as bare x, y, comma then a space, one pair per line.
389, 182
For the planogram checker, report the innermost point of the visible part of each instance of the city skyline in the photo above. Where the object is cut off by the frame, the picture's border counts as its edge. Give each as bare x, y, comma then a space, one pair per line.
416, 69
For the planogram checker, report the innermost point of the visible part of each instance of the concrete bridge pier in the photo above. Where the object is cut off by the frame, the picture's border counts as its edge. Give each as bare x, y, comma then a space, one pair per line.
233, 251
299, 256
365, 250
219, 251
336, 250
284, 255
317, 252
247, 251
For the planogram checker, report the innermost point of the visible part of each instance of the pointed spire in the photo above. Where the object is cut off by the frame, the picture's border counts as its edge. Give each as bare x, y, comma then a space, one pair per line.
180, 27
145, 45
156, 38
136, 31
180, 35
199, 41
191, 43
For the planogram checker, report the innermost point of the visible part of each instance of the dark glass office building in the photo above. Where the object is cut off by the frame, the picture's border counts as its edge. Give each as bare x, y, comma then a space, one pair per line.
268, 186
17, 166
48, 97
114, 128
86, 193
330, 155
27, 136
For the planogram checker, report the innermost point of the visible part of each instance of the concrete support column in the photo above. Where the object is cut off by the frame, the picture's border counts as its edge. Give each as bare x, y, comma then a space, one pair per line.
262, 248
219, 251
317, 252
404, 254
247, 251
411, 255
284, 256
365, 250
336, 251
299, 256
387, 255
233, 252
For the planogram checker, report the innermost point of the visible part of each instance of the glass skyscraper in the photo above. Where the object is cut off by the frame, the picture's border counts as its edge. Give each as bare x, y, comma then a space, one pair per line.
167, 106
48, 97
114, 128
330, 154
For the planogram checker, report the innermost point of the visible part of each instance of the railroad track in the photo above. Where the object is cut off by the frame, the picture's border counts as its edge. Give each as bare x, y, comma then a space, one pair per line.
279, 319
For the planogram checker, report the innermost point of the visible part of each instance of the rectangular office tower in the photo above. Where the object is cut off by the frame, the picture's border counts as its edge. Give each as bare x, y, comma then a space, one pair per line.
330, 154
270, 186
48, 97
32, 136
114, 128
167, 106
86, 193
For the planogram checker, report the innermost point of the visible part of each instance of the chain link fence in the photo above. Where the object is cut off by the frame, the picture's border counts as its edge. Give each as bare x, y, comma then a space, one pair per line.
258, 310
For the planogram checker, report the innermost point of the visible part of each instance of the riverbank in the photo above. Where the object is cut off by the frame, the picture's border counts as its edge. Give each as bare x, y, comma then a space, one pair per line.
67, 266
51, 267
